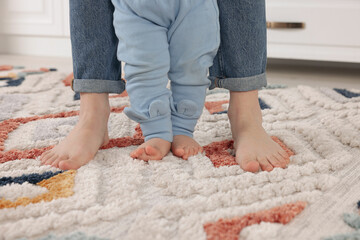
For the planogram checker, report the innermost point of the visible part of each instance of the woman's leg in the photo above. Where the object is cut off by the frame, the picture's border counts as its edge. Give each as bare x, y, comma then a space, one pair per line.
240, 67
97, 72
94, 47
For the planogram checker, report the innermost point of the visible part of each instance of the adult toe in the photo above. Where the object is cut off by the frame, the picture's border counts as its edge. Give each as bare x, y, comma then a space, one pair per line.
247, 163
265, 164
283, 161
71, 163
51, 159
58, 160
284, 154
46, 156
274, 161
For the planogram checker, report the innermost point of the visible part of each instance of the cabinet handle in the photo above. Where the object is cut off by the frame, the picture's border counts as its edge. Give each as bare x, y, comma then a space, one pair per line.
283, 25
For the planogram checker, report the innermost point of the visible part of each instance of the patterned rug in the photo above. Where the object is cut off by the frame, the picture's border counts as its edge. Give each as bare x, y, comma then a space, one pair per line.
205, 197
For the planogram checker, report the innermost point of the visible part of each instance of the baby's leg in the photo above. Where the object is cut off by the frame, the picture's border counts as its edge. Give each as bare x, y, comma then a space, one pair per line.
143, 46
194, 40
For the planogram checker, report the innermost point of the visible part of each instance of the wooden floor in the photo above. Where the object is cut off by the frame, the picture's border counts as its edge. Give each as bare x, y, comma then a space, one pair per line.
290, 73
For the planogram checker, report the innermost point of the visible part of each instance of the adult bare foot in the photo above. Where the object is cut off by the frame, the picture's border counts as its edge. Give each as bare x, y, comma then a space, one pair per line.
89, 134
254, 147
185, 147
153, 149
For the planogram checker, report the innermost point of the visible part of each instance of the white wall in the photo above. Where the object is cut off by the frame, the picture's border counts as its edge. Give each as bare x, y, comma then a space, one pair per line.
35, 27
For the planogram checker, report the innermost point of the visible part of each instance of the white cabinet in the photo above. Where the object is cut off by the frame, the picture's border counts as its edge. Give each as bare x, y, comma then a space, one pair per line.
331, 30
34, 17
35, 27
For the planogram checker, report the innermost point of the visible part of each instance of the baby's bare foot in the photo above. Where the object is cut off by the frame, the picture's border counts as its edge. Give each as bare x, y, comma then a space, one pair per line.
153, 149
185, 147
254, 147
89, 134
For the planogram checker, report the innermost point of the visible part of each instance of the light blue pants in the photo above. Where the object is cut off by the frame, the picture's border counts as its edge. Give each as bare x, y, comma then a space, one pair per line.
161, 40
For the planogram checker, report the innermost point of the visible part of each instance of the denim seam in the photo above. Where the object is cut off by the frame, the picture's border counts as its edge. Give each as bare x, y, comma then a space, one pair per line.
221, 66
216, 81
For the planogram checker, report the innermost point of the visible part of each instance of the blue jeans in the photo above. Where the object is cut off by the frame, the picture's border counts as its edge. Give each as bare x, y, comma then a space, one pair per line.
161, 40
238, 66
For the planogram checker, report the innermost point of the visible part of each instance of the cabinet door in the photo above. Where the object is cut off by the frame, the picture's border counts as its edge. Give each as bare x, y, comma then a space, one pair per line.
331, 29
34, 17
327, 22
66, 17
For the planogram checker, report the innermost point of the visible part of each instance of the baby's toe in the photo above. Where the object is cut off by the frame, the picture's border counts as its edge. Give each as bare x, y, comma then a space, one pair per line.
141, 154
192, 152
151, 151
178, 151
196, 150
137, 152
186, 153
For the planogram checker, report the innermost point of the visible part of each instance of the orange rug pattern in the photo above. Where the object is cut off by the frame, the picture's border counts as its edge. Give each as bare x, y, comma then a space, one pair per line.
229, 229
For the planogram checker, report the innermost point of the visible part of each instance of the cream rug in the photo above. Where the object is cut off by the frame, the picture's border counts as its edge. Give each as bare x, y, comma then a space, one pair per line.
206, 197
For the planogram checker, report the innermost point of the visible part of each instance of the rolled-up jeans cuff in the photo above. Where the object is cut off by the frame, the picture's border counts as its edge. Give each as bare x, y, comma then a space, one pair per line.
240, 84
98, 86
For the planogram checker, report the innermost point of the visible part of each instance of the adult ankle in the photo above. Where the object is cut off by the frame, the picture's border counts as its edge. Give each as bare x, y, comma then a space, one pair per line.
94, 103
244, 106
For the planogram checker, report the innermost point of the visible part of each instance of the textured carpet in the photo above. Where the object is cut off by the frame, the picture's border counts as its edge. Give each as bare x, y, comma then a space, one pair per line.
205, 197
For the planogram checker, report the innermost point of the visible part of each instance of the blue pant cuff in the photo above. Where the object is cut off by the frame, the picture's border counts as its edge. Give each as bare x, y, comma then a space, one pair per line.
178, 131
157, 128
183, 126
